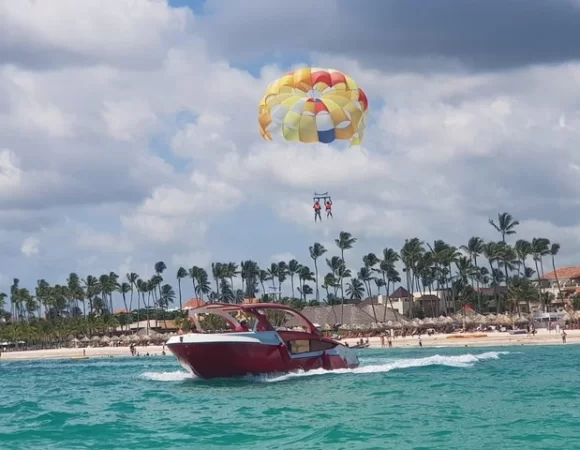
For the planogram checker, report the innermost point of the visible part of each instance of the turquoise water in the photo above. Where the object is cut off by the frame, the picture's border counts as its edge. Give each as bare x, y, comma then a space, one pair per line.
467, 398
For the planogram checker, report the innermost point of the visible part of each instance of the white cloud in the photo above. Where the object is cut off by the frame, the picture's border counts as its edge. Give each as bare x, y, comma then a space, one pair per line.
98, 137
10, 174
204, 138
195, 258
284, 256
30, 246
89, 239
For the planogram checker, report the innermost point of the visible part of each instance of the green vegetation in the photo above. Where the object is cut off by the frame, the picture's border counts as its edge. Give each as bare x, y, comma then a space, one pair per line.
85, 306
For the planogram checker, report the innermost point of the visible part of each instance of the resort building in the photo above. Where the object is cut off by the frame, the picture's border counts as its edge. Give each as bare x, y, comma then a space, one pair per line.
562, 284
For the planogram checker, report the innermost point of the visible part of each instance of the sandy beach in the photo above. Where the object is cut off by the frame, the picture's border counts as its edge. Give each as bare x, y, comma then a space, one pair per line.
493, 339
91, 352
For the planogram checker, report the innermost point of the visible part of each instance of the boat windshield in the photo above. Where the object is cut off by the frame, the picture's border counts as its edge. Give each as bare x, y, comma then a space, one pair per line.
230, 318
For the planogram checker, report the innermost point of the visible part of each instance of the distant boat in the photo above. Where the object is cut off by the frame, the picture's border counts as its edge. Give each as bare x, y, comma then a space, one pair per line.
79, 357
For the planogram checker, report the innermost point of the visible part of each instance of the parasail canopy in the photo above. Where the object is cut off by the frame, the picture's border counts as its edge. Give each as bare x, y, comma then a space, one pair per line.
314, 105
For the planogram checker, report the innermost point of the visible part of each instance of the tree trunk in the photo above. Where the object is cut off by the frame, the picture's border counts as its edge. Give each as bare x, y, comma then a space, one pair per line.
316, 282
557, 281
540, 286
372, 302
342, 290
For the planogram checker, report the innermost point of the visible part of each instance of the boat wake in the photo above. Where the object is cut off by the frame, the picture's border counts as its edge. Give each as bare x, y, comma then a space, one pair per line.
167, 376
459, 361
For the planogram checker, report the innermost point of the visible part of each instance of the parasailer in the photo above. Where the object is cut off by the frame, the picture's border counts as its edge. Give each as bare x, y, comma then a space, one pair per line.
318, 207
314, 105
328, 207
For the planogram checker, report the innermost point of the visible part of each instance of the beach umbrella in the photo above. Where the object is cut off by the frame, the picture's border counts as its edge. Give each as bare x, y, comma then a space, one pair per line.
95, 339
85, 339
115, 339
390, 324
457, 318
479, 319
429, 321
105, 339
134, 338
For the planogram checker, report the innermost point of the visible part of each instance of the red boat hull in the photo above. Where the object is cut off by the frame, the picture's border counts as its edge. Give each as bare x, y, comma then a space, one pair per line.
224, 360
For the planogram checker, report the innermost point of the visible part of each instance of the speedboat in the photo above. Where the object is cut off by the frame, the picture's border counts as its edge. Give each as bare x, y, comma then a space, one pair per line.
253, 346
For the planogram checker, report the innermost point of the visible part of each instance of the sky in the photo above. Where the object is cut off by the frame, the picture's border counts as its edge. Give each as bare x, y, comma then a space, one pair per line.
128, 130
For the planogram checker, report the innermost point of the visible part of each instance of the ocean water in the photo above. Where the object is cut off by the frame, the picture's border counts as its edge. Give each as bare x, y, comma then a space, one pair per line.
465, 398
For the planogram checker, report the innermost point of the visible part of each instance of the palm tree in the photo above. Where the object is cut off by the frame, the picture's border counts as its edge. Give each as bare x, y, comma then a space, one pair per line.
232, 271
132, 279
506, 225
166, 297
159, 269
194, 274
217, 272
181, 273
316, 251
282, 274
2, 300
523, 251
554, 249
491, 253
124, 288
203, 285
293, 269
540, 248
263, 277
474, 249
355, 289
272, 275
344, 242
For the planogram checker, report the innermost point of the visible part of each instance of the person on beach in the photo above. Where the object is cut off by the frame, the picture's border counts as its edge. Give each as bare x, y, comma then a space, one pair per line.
317, 209
389, 340
382, 340
420, 340
564, 334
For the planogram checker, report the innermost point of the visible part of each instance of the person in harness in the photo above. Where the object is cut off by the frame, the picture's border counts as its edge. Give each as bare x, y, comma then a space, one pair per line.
328, 206
317, 209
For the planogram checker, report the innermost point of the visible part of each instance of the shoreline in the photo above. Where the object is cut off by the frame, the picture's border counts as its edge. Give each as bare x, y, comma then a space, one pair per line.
493, 339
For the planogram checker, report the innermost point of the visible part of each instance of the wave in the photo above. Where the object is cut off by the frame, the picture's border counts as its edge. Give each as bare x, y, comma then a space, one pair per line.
458, 361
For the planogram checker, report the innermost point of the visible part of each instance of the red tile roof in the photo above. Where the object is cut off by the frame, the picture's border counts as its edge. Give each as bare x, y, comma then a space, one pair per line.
193, 303
121, 311
564, 273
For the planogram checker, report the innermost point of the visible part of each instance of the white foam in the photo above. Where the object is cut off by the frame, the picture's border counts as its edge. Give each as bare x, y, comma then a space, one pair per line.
460, 361
167, 376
